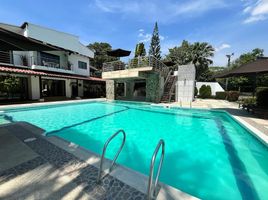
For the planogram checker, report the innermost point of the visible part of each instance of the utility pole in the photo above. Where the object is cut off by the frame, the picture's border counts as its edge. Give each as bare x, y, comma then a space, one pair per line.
229, 56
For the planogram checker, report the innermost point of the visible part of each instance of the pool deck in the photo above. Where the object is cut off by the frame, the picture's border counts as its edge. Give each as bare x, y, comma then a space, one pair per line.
231, 108
51, 168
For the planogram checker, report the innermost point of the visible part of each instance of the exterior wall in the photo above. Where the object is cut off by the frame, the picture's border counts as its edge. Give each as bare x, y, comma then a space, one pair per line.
73, 59
34, 87
185, 83
153, 83
57, 38
110, 89
215, 87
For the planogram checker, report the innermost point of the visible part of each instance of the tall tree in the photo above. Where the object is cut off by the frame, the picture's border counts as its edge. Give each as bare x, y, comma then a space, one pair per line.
100, 49
155, 43
140, 50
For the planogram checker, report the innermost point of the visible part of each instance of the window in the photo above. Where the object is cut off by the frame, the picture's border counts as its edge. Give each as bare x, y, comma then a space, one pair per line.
82, 65
49, 60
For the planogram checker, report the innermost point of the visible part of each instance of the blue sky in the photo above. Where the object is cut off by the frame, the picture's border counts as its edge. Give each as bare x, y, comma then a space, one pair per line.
229, 25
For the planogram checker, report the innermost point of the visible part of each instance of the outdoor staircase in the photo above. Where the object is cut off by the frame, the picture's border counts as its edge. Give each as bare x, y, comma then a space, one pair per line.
169, 89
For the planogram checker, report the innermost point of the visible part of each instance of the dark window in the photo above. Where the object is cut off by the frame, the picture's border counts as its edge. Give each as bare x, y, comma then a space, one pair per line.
52, 88
49, 60
82, 65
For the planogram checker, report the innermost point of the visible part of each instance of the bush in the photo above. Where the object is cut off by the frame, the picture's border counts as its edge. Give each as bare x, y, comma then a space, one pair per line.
262, 96
205, 91
221, 95
249, 101
195, 91
233, 96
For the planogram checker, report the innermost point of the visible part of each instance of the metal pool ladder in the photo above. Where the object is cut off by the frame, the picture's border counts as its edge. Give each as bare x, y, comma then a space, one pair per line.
152, 189
116, 155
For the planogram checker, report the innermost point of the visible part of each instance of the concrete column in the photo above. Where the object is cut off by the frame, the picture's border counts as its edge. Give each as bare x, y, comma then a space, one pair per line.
34, 87
129, 89
68, 88
110, 89
152, 88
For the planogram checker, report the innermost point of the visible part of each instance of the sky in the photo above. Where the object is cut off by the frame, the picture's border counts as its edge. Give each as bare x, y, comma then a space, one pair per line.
230, 26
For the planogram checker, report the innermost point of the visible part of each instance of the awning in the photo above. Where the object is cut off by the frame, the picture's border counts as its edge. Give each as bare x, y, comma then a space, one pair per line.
118, 53
259, 66
40, 73
13, 41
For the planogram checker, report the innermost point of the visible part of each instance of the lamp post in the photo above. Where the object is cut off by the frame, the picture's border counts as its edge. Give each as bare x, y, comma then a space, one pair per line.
229, 56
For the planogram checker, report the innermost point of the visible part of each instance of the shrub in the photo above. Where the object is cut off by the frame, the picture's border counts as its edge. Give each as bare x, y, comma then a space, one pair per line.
262, 96
195, 91
221, 95
233, 96
205, 91
249, 101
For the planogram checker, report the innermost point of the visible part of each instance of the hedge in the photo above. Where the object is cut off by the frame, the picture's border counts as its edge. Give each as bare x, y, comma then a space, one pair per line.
205, 91
262, 96
221, 95
195, 91
233, 96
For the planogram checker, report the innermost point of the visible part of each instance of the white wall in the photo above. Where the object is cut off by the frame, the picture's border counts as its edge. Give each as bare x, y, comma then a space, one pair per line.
34, 87
73, 59
57, 38
215, 87
185, 83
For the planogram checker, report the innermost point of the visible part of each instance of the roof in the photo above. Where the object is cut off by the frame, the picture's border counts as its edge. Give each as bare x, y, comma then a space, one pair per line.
40, 73
10, 40
259, 66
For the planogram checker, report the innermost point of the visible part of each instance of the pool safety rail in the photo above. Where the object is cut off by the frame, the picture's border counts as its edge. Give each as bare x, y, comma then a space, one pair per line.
152, 189
116, 155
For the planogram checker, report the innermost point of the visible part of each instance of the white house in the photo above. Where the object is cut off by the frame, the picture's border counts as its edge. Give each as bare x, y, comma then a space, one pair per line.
47, 62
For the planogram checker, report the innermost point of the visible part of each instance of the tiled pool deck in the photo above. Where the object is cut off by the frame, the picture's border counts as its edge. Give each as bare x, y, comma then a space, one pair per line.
72, 178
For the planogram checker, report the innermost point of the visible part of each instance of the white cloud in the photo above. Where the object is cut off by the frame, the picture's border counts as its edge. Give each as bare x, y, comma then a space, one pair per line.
258, 11
159, 10
222, 46
146, 37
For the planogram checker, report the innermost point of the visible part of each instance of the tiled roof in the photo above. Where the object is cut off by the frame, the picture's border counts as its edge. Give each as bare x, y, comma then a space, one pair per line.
40, 73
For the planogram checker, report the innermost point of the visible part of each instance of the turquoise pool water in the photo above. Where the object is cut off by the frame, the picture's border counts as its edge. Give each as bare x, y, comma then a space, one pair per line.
208, 154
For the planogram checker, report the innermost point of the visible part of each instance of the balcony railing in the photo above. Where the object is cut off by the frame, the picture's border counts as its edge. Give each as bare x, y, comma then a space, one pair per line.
28, 61
143, 61
14, 59
113, 66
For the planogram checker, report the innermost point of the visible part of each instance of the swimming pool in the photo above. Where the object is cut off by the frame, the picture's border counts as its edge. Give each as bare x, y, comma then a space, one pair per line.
208, 154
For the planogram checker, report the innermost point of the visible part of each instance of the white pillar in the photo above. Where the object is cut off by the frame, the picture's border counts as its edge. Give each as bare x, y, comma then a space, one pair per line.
68, 88
34, 87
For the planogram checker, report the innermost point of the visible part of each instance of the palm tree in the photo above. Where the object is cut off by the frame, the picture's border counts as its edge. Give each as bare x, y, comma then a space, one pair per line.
201, 54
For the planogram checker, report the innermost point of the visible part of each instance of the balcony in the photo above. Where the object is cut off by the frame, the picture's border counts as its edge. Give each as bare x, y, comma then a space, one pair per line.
48, 63
135, 68
39, 62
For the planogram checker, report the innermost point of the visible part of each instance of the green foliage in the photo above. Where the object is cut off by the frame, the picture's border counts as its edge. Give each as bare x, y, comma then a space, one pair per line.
221, 95
233, 95
198, 53
140, 50
9, 84
205, 91
101, 56
195, 91
262, 97
155, 44
247, 57
249, 101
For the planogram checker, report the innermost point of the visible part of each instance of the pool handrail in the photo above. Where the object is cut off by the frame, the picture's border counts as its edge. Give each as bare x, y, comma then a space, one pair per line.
151, 190
116, 155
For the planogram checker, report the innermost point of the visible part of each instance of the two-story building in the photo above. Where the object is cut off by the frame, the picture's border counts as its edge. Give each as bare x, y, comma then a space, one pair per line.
40, 63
